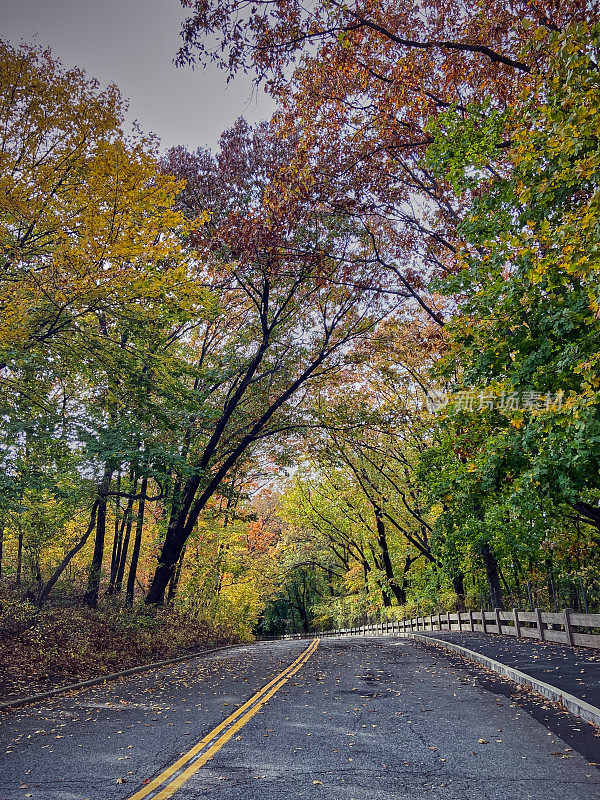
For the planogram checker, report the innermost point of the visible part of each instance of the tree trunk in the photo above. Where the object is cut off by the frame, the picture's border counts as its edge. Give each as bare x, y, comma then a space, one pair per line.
91, 596
128, 521
385, 594
458, 584
123, 556
491, 570
45, 591
330, 582
366, 569
118, 535
135, 554
387, 561
408, 562
171, 549
19, 561
174, 582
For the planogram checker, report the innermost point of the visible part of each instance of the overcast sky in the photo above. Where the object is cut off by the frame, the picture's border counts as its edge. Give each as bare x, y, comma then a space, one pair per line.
132, 43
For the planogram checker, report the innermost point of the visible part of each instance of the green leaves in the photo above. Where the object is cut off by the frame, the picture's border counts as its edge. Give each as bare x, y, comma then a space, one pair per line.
527, 311
465, 143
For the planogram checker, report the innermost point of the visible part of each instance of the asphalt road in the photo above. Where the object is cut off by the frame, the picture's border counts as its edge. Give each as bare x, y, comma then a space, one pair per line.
363, 718
574, 669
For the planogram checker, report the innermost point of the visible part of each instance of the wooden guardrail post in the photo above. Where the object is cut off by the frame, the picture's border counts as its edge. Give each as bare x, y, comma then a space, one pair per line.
517, 622
471, 623
498, 621
568, 628
483, 627
539, 623
459, 621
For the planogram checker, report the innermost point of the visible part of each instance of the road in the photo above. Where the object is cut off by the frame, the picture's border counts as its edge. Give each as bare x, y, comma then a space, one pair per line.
362, 719
573, 669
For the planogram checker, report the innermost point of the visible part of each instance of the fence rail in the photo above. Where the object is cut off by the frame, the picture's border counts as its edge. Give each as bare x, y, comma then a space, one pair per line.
566, 627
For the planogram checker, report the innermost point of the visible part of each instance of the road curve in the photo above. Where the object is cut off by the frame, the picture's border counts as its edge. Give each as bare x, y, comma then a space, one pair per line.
362, 719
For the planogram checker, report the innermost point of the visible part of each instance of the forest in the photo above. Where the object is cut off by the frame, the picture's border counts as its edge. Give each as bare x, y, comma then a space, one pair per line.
344, 367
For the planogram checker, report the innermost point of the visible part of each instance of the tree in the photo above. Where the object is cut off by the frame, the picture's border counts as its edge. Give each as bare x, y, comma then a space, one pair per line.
517, 472
288, 315
360, 82
96, 290
361, 518
87, 218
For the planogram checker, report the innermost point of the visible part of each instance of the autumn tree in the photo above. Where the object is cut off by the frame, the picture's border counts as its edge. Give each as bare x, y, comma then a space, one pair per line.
362, 81
96, 289
360, 518
518, 474
286, 319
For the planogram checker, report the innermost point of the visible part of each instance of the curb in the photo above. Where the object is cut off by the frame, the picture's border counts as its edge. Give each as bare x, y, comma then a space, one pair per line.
575, 705
34, 698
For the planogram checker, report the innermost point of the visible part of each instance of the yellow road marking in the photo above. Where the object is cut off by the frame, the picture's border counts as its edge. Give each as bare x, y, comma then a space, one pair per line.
250, 707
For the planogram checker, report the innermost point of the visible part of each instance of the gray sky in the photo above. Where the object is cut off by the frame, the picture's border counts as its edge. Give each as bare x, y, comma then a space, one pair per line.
132, 43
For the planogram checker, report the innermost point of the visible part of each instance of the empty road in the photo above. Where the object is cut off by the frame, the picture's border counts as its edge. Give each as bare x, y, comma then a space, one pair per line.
348, 719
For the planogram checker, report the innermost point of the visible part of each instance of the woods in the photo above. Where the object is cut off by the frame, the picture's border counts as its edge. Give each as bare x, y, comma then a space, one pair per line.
344, 366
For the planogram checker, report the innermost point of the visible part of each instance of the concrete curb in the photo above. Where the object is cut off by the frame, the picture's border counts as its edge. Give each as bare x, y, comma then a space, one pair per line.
575, 705
34, 698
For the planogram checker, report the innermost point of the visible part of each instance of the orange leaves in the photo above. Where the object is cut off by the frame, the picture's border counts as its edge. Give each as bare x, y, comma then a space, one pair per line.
260, 538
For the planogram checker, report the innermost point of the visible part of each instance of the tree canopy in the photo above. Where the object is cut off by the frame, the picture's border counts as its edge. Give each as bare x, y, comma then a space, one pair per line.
347, 364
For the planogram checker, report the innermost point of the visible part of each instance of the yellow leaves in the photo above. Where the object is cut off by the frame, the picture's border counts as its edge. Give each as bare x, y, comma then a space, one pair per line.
471, 467
200, 221
85, 212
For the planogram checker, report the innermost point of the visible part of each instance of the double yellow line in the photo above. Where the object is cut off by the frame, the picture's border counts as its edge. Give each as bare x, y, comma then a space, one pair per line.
182, 770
